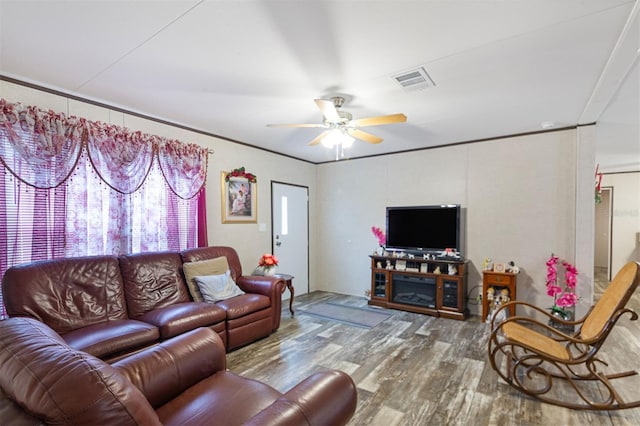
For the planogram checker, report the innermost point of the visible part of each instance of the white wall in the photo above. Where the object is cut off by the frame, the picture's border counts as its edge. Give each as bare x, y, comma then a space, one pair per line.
625, 218
519, 194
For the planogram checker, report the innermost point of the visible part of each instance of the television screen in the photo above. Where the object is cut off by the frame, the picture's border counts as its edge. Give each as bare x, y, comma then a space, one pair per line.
424, 228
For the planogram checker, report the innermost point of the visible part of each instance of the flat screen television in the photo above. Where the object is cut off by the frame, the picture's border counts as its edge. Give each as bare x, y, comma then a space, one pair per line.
424, 229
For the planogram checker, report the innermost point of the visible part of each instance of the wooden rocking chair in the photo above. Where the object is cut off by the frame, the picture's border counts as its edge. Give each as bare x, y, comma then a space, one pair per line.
562, 369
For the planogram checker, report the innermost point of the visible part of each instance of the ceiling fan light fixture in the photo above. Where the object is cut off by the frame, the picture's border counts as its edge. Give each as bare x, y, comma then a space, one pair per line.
332, 139
337, 137
347, 140
341, 129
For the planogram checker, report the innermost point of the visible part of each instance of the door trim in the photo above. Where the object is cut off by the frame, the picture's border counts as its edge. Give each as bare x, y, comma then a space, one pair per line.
609, 260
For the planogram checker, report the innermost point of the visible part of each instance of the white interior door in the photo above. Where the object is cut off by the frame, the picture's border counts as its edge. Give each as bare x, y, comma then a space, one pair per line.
290, 232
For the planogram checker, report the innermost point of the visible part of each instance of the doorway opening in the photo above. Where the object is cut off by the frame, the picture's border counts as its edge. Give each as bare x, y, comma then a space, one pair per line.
602, 241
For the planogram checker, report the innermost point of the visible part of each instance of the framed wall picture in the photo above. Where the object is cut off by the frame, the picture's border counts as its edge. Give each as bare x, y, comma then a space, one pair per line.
239, 197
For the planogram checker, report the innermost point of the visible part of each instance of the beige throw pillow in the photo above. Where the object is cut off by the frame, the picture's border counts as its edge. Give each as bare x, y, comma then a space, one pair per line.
216, 266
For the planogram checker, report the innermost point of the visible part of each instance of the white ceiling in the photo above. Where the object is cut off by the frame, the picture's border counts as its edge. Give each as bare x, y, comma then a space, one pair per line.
230, 67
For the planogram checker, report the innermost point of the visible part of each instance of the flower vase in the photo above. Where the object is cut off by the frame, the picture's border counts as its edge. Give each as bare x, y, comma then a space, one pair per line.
565, 314
271, 271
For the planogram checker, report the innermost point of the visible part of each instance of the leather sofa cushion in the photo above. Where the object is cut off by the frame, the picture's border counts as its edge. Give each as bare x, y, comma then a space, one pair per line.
168, 369
152, 281
60, 385
244, 304
66, 294
181, 317
112, 337
12, 414
221, 399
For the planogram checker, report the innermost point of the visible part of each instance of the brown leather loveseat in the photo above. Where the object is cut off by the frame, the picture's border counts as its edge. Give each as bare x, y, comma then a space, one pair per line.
181, 381
111, 307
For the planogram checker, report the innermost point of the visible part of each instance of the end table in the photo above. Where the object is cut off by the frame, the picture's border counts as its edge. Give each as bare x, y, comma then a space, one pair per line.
288, 279
497, 281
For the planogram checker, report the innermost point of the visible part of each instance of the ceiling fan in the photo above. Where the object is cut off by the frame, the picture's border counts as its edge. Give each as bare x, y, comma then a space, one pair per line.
339, 123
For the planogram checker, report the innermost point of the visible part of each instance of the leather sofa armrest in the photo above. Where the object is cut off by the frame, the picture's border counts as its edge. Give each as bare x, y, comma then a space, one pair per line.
265, 285
166, 370
269, 286
324, 398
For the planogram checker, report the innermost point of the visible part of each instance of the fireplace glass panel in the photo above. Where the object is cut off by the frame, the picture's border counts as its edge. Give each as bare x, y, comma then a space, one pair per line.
417, 291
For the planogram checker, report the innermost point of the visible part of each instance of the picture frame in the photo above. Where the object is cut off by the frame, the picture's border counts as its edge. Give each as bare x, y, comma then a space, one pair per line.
239, 198
498, 267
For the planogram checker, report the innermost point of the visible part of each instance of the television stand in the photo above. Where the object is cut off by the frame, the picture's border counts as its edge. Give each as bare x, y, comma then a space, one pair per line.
424, 286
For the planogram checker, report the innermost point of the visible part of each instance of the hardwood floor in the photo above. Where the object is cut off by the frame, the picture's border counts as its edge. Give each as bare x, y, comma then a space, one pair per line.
414, 369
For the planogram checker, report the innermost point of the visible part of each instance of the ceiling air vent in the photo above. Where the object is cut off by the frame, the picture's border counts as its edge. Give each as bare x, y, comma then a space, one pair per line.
416, 79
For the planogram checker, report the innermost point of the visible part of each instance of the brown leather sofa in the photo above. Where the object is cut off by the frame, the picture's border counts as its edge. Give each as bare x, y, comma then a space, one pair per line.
183, 380
111, 307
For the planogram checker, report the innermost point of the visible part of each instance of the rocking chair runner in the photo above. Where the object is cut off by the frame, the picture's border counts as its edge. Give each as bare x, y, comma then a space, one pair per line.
562, 369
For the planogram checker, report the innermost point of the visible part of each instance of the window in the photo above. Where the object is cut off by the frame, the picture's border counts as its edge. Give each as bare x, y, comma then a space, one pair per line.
69, 187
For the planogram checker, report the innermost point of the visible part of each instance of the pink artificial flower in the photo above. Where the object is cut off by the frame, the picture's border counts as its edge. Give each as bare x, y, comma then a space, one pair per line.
567, 300
570, 275
553, 261
552, 271
552, 276
553, 290
379, 234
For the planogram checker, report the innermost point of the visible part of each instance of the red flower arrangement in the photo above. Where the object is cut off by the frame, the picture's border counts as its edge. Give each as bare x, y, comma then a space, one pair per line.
562, 298
241, 173
268, 261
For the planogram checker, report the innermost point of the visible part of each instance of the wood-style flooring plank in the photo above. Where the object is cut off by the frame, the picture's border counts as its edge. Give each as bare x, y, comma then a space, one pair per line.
414, 369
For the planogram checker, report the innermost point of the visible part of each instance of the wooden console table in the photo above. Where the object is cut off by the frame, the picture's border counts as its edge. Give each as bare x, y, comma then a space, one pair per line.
288, 279
427, 286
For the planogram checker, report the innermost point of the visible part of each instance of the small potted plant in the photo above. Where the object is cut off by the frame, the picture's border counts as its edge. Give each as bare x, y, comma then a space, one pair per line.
379, 234
564, 299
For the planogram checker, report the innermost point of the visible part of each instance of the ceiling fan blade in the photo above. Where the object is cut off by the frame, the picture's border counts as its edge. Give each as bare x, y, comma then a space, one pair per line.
296, 125
367, 137
318, 138
329, 110
377, 121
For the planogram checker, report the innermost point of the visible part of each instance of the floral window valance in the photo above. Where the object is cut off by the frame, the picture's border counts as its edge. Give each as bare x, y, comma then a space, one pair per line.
41, 148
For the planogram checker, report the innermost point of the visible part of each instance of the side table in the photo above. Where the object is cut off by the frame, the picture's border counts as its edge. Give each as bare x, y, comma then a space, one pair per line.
497, 281
288, 279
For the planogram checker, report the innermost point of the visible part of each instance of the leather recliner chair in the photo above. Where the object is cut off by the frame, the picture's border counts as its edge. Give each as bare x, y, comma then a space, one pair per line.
182, 380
